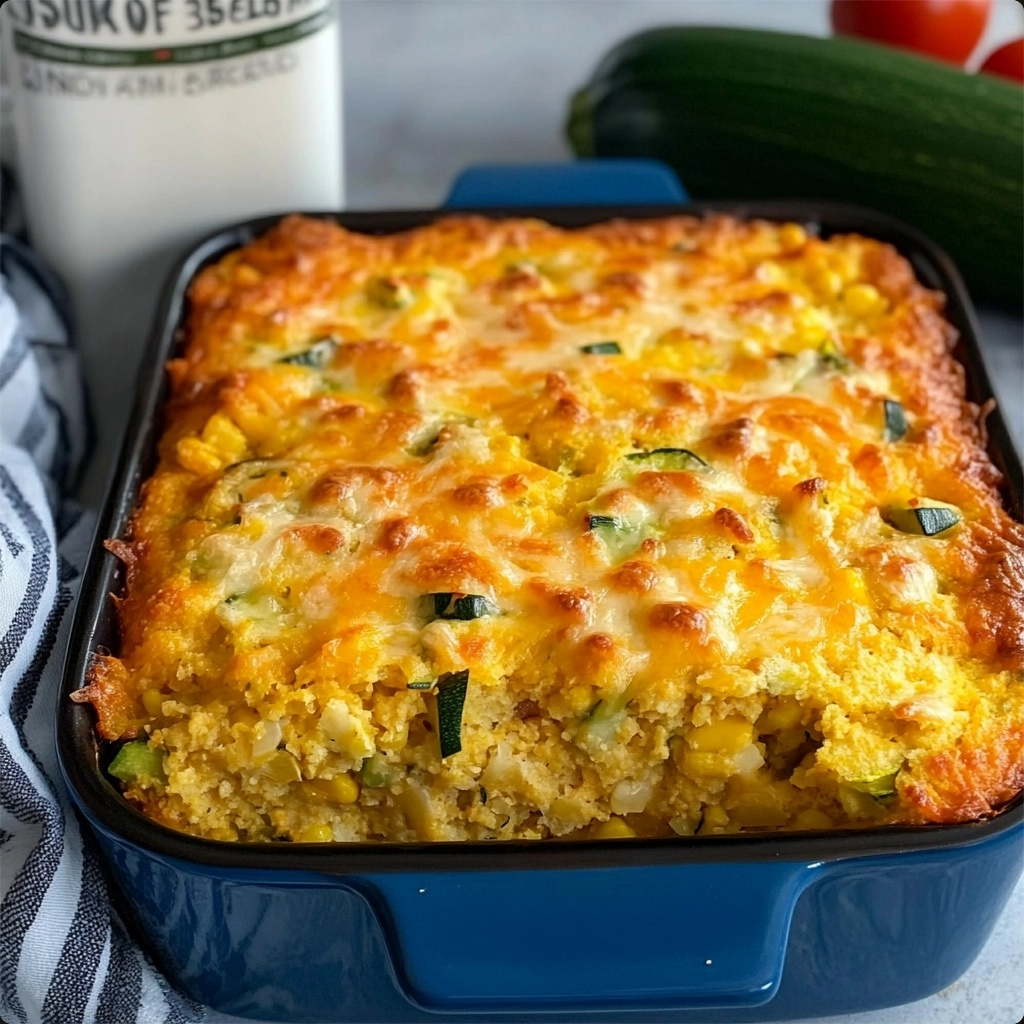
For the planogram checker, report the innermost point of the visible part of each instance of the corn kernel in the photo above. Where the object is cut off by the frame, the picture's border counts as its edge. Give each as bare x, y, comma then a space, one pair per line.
864, 300
197, 456
342, 789
416, 808
811, 326
613, 828
763, 809
792, 236
826, 281
698, 764
243, 716
714, 817
220, 433
728, 736
152, 701
848, 585
787, 714
812, 818
314, 834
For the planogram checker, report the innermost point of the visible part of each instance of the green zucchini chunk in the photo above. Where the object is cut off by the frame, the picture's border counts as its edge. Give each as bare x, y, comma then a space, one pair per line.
895, 421
450, 699
669, 459
596, 522
831, 358
136, 761
744, 112
602, 348
461, 606
923, 520
316, 357
879, 788
375, 772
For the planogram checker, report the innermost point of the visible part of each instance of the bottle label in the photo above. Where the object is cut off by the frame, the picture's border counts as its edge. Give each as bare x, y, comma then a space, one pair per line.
148, 48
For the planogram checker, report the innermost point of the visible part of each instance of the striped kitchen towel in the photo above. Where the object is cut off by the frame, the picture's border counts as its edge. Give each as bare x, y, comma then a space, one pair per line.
65, 957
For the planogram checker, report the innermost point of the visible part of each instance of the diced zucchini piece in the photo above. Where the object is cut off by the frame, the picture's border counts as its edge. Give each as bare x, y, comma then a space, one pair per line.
831, 358
428, 437
250, 605
316, 357
620, 537
389, 293
600, 725
241, 473
613, 828
449, 701
235, 485
258, 617
669, 460
596, 522
883, 786
602, 348
460, 606
686, 824
895, 420
420, 684
136, 761
924, 520
376, 773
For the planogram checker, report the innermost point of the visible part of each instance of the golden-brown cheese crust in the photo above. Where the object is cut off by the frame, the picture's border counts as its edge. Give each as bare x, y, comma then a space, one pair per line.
357, 422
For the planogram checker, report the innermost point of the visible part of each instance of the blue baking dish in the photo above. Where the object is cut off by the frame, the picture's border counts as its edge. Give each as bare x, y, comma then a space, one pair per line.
709, 928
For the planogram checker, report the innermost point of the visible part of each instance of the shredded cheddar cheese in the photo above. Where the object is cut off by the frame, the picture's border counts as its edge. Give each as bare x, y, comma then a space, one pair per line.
648, 483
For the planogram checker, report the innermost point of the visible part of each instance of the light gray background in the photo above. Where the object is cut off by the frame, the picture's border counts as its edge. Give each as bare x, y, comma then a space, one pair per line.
434, 85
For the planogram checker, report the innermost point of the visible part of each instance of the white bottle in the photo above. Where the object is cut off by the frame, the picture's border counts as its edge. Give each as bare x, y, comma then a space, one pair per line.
142, 125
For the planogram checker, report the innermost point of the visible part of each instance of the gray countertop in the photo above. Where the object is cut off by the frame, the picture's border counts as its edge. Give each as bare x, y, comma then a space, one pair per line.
433, 86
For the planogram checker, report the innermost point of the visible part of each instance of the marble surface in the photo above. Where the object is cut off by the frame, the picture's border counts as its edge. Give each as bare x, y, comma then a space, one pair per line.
434, 86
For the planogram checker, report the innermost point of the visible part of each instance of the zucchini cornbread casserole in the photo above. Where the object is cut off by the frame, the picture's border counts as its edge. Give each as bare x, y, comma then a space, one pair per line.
492, 529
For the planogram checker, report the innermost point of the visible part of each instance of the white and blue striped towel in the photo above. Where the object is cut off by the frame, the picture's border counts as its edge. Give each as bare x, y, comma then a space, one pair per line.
65, 957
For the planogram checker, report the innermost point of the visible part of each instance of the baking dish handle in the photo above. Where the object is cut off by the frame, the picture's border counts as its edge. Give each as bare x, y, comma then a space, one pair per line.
679, 936
579, 183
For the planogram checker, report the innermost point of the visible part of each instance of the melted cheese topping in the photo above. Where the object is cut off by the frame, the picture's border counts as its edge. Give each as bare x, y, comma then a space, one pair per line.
729, 637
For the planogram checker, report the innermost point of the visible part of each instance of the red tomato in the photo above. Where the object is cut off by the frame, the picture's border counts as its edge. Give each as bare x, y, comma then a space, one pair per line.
946, 29
1007, 61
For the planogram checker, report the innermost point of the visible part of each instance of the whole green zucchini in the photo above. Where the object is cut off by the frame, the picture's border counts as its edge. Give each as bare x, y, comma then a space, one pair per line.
745, 114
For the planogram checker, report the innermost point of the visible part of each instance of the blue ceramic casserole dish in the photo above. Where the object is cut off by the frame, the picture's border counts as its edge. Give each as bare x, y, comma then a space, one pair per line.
713, 928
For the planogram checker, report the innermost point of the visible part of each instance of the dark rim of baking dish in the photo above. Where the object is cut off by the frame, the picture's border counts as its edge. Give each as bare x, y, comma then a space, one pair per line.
83, 756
